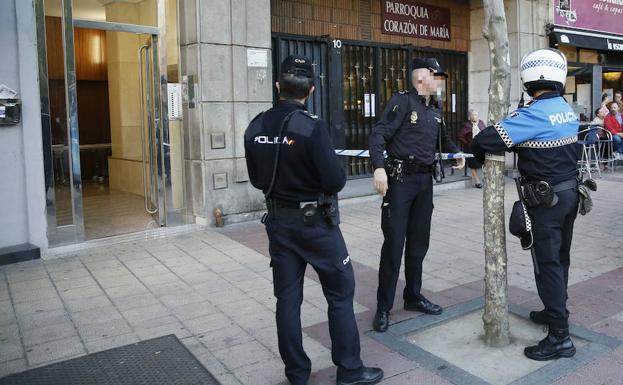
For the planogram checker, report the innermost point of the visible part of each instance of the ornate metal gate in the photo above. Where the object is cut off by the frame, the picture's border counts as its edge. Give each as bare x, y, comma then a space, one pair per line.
317, 51
370, 75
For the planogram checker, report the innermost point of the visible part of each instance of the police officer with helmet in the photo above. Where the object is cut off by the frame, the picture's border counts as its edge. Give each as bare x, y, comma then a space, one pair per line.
543, 134
291, 159
411, 131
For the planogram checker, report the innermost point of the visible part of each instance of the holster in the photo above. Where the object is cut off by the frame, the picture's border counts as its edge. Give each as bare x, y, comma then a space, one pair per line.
398, 168
329, 208
539, 193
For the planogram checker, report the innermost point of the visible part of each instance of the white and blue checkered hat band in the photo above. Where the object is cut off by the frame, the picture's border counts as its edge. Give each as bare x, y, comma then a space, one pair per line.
544, 63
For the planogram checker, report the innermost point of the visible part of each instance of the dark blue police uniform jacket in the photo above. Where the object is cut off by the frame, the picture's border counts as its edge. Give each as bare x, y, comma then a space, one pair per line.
544, 136
307, 167
408, 129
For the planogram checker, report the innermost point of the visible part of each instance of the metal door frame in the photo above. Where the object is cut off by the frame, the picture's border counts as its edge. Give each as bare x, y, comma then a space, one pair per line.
74, 233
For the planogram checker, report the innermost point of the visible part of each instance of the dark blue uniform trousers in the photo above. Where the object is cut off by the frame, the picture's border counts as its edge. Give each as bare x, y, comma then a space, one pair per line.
292, 246
405, 214
553, 231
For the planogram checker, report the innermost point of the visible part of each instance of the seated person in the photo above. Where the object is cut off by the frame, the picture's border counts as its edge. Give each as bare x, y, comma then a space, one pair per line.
600, 114
612, 123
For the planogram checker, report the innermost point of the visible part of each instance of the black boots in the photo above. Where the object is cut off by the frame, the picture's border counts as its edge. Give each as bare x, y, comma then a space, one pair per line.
557, 344
381, 321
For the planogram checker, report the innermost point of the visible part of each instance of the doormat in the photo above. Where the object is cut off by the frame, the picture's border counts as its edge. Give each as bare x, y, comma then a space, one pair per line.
162, 360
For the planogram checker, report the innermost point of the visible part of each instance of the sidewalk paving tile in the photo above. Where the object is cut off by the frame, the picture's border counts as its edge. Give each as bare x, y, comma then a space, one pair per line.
37, 320
174, 327
94, 316
134, 300
81, 304
55, 350
244, 354
14, 366
40, 306
48, 333
103, 330
110, 342
208, 323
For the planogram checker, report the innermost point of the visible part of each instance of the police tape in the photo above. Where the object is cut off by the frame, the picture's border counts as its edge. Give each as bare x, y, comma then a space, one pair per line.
366, 154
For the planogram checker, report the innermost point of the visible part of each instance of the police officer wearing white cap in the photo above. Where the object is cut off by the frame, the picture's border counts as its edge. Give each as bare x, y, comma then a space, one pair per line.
411, 132
543, 133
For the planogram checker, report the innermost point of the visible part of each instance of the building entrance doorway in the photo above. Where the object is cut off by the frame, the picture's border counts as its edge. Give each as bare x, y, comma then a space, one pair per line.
112, 121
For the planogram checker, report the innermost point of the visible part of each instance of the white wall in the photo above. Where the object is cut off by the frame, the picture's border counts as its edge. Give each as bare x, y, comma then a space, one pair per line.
22, 196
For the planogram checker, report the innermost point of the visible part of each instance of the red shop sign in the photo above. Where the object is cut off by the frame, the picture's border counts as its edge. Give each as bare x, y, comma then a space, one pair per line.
406, 18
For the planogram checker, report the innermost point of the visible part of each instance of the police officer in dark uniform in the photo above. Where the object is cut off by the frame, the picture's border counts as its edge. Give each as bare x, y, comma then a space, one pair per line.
411, 132
544, 134
291, 159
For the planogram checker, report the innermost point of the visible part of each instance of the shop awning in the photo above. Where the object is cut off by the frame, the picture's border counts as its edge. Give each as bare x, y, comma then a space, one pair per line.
586, 39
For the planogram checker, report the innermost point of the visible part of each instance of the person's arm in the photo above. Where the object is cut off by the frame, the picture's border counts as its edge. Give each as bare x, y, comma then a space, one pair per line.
516, 128
332, 175
464, 133
488, 140
447, 145
481, 125
251, 165
386, 127
253, 129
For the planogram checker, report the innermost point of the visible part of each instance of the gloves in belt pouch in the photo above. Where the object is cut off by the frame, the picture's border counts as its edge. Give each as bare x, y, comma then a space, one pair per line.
586, 202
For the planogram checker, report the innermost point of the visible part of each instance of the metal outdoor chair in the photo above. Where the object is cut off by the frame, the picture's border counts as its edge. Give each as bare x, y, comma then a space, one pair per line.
589, 162
606, 149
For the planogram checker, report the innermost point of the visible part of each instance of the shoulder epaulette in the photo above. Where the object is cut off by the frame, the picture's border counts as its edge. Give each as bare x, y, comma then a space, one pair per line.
309, 114
403, 92
529, 103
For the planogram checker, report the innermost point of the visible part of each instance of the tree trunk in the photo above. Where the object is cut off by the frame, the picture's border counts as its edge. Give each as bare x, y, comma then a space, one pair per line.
496, 305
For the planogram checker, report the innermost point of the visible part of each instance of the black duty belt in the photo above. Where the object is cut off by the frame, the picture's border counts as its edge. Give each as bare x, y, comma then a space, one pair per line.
541, 193
566, 185
408, 166
278, 208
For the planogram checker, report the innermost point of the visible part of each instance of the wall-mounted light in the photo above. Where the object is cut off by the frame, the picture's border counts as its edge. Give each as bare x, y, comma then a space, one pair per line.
612, 76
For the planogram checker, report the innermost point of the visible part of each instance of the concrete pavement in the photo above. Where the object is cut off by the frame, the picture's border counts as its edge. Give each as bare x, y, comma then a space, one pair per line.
212, 288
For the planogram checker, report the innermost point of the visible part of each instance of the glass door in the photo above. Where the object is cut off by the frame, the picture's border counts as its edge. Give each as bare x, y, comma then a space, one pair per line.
113, 165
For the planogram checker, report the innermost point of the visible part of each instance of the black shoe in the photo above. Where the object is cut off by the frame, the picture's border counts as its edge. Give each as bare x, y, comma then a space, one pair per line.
367, 376
557, 344
478, 185
381, 321
423, 305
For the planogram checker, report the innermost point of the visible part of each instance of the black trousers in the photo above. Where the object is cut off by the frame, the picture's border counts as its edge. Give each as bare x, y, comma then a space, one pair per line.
292, 246
553, 231
405, 215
